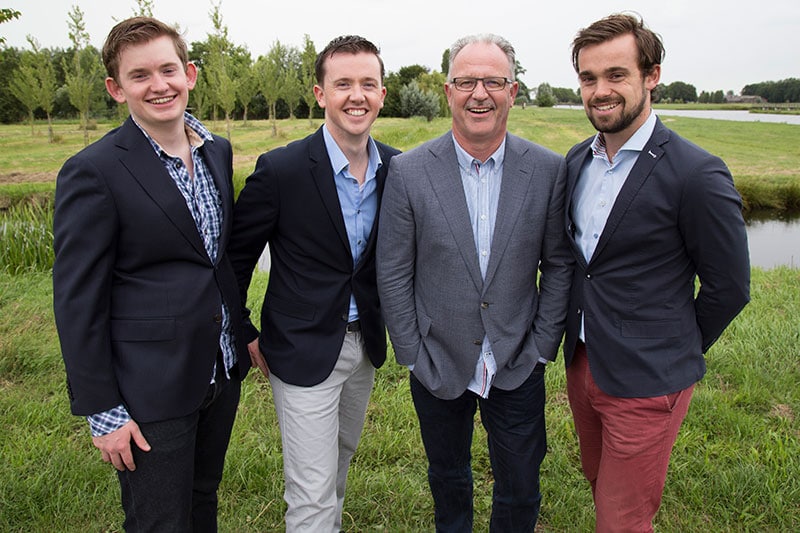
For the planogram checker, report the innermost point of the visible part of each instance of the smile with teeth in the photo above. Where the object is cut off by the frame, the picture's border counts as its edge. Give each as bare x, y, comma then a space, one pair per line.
606, 107
480, 110
162, 100
356, 112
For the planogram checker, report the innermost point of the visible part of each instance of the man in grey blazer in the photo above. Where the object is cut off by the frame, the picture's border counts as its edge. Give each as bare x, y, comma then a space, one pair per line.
466, 222
647, 213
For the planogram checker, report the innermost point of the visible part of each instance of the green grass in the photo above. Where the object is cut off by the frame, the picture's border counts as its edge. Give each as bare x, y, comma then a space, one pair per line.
763, 157
736, 464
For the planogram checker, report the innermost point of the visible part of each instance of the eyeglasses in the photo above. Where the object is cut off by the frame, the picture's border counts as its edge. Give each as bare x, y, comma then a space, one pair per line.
495, 83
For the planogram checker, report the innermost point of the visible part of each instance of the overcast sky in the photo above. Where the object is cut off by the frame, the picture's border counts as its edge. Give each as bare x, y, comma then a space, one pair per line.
711, 44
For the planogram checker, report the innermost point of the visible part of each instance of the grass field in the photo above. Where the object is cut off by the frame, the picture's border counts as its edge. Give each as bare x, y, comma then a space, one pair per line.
763, 157
736, 464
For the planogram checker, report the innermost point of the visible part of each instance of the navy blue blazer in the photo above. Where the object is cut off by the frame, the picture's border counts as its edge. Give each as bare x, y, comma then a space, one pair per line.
290, 202
137, 300
677, 218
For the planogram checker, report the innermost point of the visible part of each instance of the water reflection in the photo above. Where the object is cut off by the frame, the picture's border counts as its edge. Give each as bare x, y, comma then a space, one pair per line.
774, 241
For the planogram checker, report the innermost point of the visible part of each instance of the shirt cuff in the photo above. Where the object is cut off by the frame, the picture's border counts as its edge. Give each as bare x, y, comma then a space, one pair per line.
108, 421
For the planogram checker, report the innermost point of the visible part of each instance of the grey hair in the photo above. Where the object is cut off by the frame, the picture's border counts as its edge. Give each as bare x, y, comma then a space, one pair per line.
488, 38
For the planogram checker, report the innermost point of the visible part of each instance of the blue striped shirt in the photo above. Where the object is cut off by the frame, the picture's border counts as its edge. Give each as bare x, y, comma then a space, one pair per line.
205, 204
481, 181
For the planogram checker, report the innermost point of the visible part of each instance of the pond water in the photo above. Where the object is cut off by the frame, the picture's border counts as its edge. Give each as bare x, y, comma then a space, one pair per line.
727, 114
774, 242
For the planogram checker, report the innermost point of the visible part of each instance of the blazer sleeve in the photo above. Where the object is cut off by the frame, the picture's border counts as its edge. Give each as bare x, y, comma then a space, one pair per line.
255, 217
395, 260
714, 232
84, 238
556, 268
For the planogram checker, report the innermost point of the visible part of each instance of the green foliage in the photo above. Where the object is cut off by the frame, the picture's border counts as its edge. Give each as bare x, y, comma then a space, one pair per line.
26, 238
544, 96
414, 102
308, 58
6, 15
787, 90
679, 92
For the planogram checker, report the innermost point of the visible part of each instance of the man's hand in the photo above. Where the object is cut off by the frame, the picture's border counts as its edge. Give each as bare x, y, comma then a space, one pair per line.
116, 446
257, 358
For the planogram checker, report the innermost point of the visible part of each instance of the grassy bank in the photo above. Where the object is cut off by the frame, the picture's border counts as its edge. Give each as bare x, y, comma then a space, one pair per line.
763, 157
736, 465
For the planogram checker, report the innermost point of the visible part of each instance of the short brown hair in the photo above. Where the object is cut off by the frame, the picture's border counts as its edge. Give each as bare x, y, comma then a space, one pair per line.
651, 49
138, 30
349, 44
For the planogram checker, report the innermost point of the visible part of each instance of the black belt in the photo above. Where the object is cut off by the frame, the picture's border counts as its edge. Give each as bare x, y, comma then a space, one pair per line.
353, 327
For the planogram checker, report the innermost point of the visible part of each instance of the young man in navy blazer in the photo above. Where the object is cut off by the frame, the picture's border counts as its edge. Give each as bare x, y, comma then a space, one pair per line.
145, 299
647, 213
315, 202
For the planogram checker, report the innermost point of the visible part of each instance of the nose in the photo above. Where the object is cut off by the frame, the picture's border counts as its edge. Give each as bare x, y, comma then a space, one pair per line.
159, 83
480, 91
357, 94
602, 87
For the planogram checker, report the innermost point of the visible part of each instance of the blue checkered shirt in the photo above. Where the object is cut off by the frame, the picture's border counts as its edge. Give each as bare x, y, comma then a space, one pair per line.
204, 202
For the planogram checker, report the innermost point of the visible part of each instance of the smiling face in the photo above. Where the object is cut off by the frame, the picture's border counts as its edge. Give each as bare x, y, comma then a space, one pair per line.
154, 83
615, 93
480, 116
351, 94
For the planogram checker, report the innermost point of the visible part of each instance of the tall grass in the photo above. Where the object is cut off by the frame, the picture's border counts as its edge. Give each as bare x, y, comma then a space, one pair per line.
26, 238
735, 467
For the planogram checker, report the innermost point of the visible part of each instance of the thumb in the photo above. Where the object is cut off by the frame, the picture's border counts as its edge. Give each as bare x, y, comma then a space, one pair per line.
139, 439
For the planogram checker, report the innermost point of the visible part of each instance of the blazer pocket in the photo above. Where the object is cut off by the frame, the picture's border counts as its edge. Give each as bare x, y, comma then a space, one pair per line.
143, 330
289, 308
650, 329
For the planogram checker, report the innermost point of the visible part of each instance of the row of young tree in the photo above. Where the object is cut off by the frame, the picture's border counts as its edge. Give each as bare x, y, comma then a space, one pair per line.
61, 83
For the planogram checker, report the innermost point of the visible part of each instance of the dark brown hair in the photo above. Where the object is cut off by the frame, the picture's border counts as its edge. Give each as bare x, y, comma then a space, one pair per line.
138, 30
348, 44
651, 49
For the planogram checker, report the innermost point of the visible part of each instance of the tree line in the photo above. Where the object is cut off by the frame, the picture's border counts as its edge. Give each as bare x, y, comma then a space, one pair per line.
45, 83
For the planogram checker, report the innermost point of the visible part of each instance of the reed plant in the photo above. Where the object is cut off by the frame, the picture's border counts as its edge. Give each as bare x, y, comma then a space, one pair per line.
26, 238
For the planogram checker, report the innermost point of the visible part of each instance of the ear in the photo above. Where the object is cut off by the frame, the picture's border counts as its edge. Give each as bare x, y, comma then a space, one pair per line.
115, 90
514, 91
319, 94
191, 75
652, 79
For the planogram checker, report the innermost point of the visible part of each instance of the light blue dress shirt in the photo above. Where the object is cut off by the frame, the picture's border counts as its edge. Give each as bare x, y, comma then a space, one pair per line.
482, 181
359, 202
599, 184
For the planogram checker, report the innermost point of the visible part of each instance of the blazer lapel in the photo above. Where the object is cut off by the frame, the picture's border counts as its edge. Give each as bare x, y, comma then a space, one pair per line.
214, 156
146, 168
445, 179
514, 187
323, 178
637, 177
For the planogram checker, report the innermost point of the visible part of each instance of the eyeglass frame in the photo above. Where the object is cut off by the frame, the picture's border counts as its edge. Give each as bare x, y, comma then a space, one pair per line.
454, 82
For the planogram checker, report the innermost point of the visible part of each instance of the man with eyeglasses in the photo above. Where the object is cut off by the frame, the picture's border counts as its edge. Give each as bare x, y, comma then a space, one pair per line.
467, 220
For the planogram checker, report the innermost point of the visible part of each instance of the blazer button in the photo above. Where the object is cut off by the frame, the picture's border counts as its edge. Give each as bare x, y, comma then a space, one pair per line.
477, 342
484, 305
588, 276
218, 318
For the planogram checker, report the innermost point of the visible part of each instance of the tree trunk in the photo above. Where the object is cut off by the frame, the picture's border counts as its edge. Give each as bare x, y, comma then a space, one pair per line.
50, 136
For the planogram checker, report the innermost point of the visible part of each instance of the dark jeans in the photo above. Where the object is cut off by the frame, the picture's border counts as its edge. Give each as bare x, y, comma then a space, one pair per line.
514, 423
174, 486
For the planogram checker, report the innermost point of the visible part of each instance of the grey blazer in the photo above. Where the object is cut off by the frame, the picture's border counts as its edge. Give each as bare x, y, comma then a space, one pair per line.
436, 304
